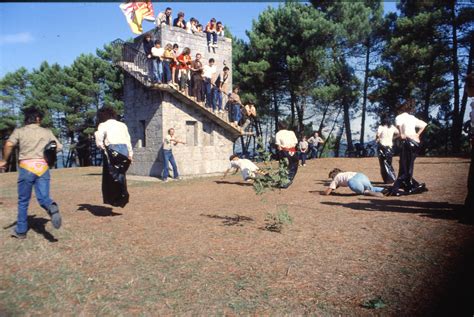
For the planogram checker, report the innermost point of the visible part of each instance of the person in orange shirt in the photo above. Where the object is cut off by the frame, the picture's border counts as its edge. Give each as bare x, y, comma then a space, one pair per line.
184, 64
211, 32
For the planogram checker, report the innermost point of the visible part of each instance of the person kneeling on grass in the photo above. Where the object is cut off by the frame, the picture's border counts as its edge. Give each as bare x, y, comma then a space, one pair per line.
246, 167
357, 182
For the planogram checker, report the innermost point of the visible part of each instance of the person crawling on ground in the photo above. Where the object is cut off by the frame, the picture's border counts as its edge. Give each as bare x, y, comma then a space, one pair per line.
247, 168
357, 182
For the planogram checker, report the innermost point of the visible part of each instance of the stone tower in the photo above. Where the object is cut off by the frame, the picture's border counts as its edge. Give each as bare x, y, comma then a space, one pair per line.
150, 110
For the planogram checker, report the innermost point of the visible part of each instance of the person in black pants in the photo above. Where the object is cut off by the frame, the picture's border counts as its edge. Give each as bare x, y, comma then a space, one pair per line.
385, 133
410, 129
286, 142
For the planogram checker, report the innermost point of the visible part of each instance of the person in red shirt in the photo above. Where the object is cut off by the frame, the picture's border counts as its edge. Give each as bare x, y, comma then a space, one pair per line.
211, 32
184, 64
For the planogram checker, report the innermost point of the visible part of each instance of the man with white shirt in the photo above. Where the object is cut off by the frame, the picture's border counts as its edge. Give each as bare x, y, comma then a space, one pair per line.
209, 74
157, 54
286, 141
410, 129
246, 167
385, 133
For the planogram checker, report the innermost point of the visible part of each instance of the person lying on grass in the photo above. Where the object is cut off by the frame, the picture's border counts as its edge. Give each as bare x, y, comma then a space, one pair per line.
246, 167
357, 182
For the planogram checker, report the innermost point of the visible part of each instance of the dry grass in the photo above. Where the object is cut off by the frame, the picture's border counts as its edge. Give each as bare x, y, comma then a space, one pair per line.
198, 247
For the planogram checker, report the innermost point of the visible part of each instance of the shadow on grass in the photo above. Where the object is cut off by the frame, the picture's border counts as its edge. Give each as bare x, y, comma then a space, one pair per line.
233, 183
38, 225
230, 221
437, 210
99, 211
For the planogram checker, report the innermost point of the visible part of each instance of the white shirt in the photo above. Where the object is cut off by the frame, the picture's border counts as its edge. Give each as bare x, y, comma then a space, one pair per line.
341, 179
209, 71
157, 52
385, 135
407, 125
113, 132
247, 167
286, 139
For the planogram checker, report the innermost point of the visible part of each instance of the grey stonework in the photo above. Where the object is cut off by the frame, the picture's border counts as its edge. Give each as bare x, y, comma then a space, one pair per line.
149, 113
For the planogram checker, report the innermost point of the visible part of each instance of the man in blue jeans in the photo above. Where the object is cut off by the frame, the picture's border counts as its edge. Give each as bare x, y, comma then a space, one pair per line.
168, 143
357, 182
33, 169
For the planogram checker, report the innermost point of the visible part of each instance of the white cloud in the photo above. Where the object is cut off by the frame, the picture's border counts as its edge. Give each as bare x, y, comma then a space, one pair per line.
18, 38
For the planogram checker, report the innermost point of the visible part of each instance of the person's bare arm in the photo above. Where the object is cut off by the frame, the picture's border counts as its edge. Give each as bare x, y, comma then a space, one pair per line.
327, 192
7, 151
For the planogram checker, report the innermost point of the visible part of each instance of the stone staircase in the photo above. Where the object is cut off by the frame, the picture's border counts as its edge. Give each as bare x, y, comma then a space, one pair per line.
134, 63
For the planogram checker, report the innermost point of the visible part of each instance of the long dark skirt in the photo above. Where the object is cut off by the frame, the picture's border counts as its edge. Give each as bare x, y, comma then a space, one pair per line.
405, 179
385, 155
114, 182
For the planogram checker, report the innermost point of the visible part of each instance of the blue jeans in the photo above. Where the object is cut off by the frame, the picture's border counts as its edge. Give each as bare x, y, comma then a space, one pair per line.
359, 183
26, 182
168, 157
236, 113
166, 72
217, 99
157, 71
208, 90
214, 38
121, 148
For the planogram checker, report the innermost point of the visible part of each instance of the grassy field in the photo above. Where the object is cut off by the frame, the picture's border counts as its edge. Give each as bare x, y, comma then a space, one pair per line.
201, 247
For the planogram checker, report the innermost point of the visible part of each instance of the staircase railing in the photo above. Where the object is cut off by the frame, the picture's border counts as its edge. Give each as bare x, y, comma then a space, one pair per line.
137, 59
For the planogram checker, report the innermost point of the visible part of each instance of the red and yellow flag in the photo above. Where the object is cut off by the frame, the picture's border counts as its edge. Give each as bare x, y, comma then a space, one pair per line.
135, 12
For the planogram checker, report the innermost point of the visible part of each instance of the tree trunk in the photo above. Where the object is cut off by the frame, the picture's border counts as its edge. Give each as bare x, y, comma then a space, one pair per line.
337, 144
347, 123
457, 120
330, 132
293, 109
300, 114
468, 71
321, 124
275, 109
366, 88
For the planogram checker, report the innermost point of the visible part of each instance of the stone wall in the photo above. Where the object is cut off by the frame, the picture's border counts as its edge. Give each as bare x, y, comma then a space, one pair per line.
150, 113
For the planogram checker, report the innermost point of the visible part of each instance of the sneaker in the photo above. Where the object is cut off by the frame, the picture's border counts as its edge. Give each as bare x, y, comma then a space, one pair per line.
166, 180
178, 178
17, 235
53, 212
214, 45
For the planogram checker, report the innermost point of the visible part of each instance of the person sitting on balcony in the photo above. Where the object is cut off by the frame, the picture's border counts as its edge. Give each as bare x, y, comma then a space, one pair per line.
191, 26
249, 113
168, 58
147, 46
211, 32
219, 29
164, 18
174, 65
199, 28
157, 51
184, 64
179, 21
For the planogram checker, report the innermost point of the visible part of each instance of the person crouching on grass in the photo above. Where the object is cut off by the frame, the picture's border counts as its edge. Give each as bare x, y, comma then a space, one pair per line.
357, 182
246, 167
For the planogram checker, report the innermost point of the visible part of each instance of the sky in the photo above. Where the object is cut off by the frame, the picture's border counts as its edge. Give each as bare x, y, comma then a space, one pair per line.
31, 33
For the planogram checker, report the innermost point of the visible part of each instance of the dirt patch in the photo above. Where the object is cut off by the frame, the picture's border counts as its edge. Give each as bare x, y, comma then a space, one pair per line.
197, 246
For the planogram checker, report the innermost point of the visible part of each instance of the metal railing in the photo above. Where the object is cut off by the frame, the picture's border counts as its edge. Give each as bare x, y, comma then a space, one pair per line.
135, 59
